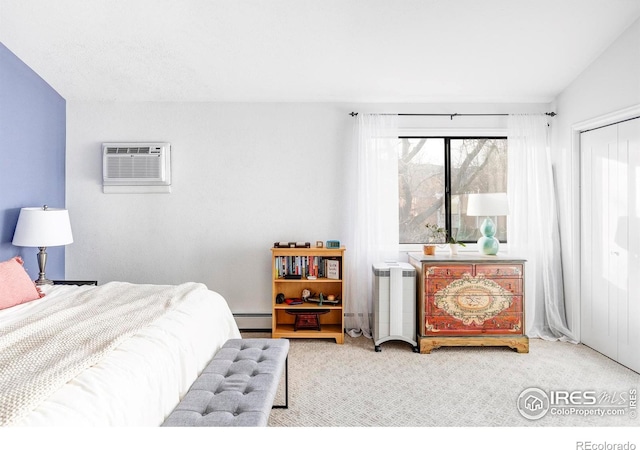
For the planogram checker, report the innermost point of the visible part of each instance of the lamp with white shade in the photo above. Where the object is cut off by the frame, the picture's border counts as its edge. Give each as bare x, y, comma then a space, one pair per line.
42, 227
488, 205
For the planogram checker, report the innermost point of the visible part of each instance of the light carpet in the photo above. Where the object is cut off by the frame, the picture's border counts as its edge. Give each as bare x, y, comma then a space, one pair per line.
351, 385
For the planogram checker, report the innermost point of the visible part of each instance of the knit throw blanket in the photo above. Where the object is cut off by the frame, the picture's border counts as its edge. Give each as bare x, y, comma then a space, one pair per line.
40, 354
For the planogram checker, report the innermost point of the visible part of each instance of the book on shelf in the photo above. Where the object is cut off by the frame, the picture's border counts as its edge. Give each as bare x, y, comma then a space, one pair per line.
297, 267
292, 245
333, 269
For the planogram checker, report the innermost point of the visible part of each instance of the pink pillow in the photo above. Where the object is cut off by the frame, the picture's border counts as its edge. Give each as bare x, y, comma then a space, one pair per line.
15, 285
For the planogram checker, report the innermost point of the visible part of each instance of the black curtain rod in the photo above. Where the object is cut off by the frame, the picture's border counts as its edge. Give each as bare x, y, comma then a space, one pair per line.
353, 114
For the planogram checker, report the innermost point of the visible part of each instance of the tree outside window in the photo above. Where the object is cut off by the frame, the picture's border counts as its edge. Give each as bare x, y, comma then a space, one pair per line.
435, 176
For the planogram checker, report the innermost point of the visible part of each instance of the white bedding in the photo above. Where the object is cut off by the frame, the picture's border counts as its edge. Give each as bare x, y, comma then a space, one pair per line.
143, 378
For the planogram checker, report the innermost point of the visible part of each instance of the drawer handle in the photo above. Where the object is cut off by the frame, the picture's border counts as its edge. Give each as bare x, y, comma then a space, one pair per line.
448, 272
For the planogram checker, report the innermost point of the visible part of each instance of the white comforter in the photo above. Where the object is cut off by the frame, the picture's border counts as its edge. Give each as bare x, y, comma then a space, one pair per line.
143, 378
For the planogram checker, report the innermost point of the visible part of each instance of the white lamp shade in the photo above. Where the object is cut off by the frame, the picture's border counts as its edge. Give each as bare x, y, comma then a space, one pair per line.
488, 204
39, 227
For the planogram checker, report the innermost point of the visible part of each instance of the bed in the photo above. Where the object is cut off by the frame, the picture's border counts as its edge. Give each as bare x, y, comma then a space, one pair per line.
62, 363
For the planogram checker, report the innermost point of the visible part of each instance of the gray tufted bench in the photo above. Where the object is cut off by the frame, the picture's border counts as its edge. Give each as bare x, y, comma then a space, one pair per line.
237, 388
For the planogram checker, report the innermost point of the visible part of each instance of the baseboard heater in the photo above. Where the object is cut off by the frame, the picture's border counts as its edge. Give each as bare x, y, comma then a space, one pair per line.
253, 321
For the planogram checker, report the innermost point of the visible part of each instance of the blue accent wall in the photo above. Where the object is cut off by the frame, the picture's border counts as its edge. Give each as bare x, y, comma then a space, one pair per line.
32, 156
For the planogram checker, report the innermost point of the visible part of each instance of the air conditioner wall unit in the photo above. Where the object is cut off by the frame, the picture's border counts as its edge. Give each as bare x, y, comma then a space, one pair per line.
136, 167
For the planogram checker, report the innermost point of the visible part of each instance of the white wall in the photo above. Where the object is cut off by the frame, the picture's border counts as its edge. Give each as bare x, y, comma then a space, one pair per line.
610, 84
244, 176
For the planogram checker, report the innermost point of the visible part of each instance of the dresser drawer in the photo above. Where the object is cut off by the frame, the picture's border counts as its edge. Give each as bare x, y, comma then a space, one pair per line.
513, 285
449, 326
433, 285
448, 271
482, 305
499, 270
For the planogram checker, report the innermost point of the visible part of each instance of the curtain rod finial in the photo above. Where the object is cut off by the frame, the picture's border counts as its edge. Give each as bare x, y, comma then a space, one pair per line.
353, 114
552, 114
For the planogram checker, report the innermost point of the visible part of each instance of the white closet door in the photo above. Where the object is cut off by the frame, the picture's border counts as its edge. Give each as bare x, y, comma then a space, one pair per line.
610, 241
628, 242
598, 311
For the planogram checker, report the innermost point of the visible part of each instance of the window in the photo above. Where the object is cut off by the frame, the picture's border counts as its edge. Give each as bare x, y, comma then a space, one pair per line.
435, 176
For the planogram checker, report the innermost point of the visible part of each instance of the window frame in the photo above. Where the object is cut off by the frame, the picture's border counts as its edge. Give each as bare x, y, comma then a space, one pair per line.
447, 136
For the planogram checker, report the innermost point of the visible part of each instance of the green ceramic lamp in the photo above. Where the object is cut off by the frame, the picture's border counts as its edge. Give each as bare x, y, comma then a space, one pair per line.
488, 205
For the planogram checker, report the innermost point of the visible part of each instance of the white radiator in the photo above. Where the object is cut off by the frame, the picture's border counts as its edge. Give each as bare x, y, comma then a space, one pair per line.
394, 303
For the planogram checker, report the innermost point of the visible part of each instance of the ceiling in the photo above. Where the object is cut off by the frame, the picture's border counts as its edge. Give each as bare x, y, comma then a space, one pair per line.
312, 50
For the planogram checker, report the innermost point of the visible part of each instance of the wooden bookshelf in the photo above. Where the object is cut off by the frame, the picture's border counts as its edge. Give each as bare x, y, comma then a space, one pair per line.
305, 262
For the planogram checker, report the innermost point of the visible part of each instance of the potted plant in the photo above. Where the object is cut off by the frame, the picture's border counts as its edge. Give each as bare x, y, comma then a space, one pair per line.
453, 250
438, 235
435, 235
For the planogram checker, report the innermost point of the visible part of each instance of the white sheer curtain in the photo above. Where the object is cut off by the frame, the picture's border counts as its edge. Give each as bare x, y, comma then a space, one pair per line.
372, 218
533, 227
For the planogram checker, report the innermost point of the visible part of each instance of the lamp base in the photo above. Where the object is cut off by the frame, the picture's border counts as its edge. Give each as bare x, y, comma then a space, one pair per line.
488, 245
42, 263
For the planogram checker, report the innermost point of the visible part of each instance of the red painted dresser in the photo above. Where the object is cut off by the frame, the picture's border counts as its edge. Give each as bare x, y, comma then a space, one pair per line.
470, 300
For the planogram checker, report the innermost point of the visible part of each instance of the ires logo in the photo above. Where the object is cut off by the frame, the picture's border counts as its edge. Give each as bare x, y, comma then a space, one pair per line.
534, 403
573, 398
